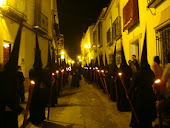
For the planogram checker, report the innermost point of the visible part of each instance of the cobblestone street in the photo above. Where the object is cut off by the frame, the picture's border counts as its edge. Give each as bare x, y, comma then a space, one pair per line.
86, 107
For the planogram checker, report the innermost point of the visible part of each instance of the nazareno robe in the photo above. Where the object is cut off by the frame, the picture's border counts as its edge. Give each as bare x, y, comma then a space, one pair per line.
75, 77
143, 98
37, 106
123, 103
113, 75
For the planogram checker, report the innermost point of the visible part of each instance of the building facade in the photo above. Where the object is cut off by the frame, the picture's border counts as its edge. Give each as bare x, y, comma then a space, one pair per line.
38, 17
125, 22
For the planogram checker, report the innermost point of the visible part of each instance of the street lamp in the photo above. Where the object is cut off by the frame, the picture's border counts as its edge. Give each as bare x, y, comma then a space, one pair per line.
62, 52
86, 46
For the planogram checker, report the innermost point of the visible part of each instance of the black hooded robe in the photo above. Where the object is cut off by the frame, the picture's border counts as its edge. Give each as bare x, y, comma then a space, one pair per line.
37, 106
142, 97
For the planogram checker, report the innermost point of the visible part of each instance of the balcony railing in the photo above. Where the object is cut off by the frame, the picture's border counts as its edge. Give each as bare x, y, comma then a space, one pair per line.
19, 5
41, 22
16, 9
153, 3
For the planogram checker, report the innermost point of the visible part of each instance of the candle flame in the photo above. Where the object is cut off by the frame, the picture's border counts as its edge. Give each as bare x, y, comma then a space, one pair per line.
57, 71
53, 74
120, 74
102, 71
32, 82
157, 81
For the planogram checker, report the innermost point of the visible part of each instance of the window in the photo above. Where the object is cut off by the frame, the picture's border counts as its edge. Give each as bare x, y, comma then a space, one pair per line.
163, 44
94, 38
108, 37
100, 33
116, 28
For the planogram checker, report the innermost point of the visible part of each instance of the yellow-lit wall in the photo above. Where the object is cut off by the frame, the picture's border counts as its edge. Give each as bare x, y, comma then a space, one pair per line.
87, 40
146, 19
9, 30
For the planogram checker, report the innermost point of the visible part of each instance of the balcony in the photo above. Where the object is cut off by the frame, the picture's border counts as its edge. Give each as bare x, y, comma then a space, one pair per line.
153, 3
41, 23
15, 9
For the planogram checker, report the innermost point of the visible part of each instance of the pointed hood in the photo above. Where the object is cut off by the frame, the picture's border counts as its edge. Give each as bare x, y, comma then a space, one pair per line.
123, 63
60, 63
37, 60
101, 61
106, 64
12, 64
114, 57
49, 62
144, 60
53, 56
96, 62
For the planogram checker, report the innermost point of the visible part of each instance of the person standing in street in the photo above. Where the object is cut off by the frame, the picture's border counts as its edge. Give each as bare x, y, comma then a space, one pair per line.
21, 88
156, 68
135, 62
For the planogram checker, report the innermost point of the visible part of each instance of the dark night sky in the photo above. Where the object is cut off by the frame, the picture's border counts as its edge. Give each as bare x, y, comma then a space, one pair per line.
75, 16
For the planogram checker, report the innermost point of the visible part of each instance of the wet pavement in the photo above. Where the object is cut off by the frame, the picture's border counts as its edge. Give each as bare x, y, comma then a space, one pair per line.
86, 107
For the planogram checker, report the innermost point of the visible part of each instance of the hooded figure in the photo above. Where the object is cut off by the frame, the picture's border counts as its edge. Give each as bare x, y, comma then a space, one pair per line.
75, 77
9, 104
107, 75
113, 73
37, 106
123, 103
141, 93
49, 71
101, 76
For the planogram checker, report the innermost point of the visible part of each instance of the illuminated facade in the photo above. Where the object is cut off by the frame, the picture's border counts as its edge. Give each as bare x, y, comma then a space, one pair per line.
125, 21
37, 17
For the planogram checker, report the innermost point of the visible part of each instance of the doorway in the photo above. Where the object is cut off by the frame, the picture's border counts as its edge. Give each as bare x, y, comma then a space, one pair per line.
6, 52
134, 49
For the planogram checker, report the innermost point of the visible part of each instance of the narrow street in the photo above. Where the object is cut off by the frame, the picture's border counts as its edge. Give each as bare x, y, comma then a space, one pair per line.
86, 107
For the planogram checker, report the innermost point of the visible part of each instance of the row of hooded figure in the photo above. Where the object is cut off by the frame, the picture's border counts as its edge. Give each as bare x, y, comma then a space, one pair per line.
46, 87
49, 83
132, 92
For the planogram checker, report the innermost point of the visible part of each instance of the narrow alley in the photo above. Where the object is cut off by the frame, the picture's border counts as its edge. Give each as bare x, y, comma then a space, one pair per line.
86, 107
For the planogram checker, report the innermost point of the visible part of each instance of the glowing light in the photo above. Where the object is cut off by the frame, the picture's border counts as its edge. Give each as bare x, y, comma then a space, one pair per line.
68, 69
62, 52
2, 2
73, 62
57, 71
62, 56
6, 45
53, 74
92, 58
32, 82
69, 61
120, 74
86, 46
97, 68
157, 81
80, 60
102, 71
89, 67
79, 57
62, 70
